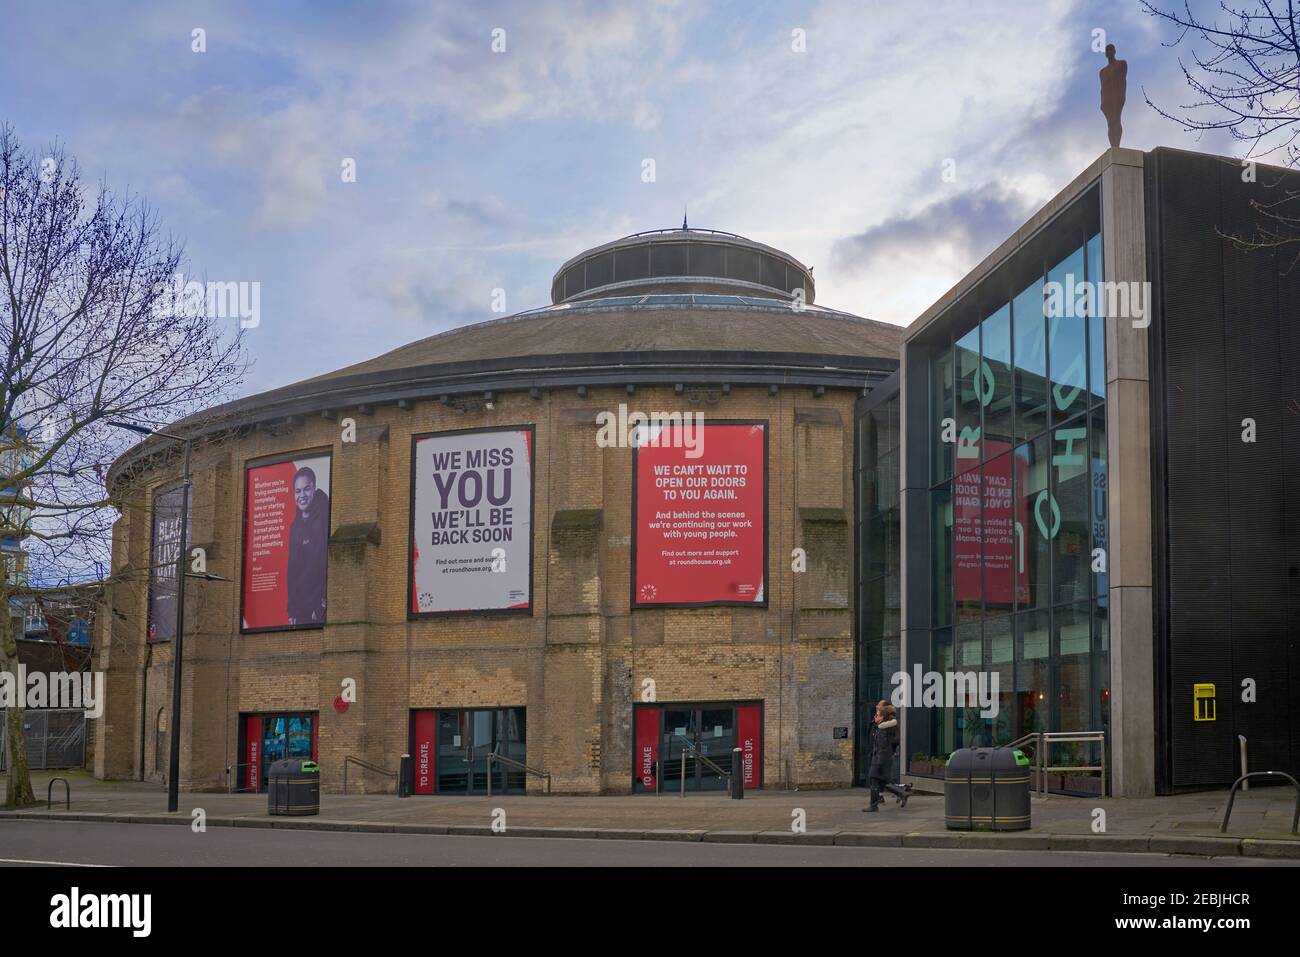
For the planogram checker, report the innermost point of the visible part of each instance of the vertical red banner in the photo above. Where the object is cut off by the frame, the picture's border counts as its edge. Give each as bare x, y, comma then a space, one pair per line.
646, 749
999, 534
253, 753
749, 733
424, 755
286, 538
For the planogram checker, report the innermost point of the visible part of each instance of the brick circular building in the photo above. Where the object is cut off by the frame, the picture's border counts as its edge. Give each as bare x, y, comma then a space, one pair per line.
610, 539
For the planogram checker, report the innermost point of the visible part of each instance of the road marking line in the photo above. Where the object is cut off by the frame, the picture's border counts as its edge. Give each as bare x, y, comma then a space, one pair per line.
17, 860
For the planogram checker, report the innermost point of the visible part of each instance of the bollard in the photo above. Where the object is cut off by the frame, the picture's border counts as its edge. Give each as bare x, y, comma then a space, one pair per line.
737, 774
404, 777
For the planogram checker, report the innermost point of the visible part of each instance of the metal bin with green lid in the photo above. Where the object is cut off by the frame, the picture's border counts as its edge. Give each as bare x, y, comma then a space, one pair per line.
986, 789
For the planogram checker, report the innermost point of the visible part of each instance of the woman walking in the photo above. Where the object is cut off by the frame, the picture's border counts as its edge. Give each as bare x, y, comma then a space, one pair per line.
884, 746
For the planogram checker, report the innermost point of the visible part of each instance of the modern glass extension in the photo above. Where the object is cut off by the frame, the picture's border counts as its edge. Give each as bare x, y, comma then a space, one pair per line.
879, 570
988, 557
1017, 510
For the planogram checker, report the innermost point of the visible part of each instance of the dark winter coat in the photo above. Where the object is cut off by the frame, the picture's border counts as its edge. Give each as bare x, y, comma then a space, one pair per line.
884, 745
308, 555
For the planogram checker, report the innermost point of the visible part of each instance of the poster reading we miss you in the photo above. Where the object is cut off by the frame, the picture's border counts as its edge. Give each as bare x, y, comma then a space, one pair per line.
700, 521
471, 521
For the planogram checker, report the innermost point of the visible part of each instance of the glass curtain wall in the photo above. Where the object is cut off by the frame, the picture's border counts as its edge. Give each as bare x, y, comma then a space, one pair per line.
879, 454
1018, 525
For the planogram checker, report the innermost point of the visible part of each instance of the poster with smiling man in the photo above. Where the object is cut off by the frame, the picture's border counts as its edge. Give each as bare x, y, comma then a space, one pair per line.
286, 543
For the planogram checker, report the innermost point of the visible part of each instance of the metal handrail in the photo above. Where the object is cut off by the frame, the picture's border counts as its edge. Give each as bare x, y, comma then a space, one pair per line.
1232, 796
1068, 737
67, 794
518, 765
1031, 737
699, 756
349, 759
678, 229
709, 762
1042, 741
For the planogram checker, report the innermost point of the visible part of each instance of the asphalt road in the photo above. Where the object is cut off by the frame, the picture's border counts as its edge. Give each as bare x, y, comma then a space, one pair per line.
160, 845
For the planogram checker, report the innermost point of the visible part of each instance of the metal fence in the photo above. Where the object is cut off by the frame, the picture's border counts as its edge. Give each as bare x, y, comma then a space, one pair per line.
56, 738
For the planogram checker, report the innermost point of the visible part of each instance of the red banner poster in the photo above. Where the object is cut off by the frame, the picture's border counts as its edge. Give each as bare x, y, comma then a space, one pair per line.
286, 542
646, 750
425, 754
701, 515
253, 753
985, 545
749, 734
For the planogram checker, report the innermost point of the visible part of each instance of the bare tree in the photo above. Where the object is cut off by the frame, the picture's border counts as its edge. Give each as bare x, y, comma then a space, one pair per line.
1245, 76
88, 333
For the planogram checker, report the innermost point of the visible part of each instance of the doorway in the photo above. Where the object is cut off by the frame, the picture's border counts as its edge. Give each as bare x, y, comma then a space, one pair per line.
694, 745
267, 738
705, 732
451, 749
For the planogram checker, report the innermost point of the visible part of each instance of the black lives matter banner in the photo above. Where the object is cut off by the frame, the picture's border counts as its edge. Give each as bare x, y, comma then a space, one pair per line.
164, 544
471, 521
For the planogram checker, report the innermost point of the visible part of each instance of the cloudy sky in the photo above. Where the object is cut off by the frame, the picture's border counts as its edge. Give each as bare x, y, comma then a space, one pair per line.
478, 170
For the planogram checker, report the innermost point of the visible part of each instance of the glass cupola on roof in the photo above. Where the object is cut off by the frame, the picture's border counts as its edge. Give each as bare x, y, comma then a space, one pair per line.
682, 261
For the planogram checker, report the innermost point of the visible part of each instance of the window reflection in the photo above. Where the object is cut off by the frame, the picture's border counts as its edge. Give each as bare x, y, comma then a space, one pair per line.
995, 383
941, 402
879, 563
1031, 362
941, 551
1096, 326
1018, 509
971, 384
1068, 304
1037, 519
967, 538
1000, 571
1071, 489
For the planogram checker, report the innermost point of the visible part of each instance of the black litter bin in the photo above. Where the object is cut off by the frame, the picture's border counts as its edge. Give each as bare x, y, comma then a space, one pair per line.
986, 789
293, 788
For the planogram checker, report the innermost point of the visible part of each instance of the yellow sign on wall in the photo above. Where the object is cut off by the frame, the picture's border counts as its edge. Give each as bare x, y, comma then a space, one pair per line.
1203, 703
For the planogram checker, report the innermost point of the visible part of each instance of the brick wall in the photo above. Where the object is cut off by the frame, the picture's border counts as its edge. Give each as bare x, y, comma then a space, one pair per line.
577, 664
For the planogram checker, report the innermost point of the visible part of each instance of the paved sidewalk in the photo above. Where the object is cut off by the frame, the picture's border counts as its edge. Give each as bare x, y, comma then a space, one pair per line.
1180, 824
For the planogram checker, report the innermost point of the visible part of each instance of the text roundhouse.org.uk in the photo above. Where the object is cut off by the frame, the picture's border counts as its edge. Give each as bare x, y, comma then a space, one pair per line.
704, 558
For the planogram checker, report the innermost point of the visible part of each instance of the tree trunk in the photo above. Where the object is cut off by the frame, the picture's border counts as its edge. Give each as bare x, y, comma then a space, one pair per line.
18, 778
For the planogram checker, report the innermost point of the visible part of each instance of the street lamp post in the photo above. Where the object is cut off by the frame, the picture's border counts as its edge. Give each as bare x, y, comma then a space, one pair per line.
178, 639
